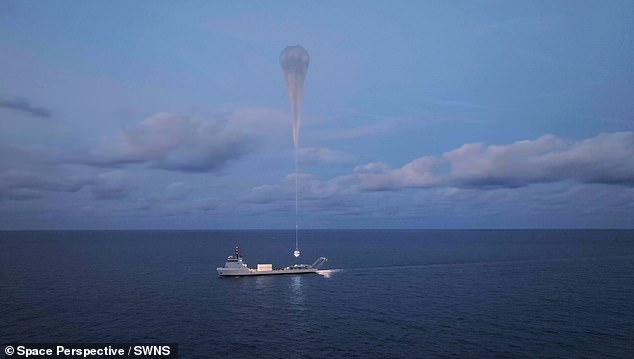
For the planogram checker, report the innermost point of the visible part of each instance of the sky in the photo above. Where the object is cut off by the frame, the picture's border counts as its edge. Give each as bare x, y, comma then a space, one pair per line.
417, 114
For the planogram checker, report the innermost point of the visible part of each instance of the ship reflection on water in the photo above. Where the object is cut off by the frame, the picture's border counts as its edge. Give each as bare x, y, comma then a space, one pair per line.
296, 298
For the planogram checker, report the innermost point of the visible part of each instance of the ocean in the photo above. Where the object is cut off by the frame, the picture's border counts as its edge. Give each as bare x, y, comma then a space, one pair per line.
387, 293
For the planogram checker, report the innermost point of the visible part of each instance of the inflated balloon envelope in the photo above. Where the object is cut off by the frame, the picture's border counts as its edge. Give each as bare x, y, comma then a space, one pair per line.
294, 61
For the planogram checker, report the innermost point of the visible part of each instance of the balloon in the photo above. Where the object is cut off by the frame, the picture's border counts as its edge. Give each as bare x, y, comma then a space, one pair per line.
294, 61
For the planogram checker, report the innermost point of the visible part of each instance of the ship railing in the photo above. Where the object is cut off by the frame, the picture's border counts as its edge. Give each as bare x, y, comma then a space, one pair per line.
319, 262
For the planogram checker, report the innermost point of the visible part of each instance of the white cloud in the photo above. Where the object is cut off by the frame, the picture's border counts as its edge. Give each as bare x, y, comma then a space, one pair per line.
172, 142
606, 158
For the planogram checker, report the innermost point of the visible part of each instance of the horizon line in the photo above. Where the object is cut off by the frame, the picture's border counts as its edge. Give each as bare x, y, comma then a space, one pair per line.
317, 229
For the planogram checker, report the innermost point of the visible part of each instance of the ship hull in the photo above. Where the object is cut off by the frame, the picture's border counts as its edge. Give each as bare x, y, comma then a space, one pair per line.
236, 273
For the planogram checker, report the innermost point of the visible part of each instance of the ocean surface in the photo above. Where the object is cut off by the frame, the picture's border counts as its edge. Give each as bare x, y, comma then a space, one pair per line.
391, 293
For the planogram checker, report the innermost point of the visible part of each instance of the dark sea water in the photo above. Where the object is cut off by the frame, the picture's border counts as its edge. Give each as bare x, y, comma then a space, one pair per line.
397, 294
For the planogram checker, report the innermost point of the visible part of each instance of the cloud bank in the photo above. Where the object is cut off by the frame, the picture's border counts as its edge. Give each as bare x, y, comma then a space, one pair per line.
607, 158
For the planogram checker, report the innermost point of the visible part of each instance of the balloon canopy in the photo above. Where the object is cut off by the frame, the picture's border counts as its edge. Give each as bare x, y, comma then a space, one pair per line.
294, 61
295, 58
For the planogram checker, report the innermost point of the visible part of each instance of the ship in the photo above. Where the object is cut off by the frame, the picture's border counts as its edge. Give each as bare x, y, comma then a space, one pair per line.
236, 267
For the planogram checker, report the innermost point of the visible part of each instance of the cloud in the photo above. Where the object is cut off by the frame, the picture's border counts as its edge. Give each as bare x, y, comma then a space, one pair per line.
111, 185
21, 194
172, 142
607, 158
310, 188
32, 173
178, 190
24, 105
418, 173
27, 174
373, 167
323, 155
24, 184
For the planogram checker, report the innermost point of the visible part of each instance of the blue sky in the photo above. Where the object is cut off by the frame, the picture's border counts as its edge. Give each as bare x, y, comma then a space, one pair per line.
421, 114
